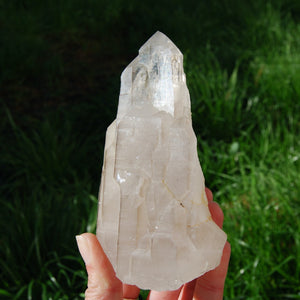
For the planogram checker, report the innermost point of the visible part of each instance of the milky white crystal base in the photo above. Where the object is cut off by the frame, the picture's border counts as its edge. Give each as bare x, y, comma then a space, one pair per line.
153, 222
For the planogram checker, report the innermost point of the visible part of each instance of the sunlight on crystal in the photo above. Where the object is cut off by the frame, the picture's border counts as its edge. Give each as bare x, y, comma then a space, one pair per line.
153, 220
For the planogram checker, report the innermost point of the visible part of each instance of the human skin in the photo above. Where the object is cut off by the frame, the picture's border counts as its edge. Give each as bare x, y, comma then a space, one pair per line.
104, 285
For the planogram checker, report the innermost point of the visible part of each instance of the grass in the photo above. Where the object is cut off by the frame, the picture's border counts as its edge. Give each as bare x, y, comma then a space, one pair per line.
59, 86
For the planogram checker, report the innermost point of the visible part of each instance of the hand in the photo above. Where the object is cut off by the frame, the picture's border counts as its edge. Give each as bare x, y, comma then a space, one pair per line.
104, 285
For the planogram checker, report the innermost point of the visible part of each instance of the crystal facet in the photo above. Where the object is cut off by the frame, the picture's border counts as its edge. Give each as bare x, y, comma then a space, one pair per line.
153, 220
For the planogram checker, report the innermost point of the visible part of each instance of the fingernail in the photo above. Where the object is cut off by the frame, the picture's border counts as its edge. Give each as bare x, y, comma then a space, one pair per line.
84, 248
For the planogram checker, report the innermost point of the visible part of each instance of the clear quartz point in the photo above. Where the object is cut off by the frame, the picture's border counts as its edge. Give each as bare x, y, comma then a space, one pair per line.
153, 220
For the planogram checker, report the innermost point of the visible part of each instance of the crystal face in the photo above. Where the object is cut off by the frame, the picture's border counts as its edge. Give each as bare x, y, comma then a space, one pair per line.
153, 220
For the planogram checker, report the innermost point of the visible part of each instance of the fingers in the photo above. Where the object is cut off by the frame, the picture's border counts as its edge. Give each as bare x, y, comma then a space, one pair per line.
214, 208
102, 281
167, 295
216, 213
187, 290
130, 291
209, 194
210, 286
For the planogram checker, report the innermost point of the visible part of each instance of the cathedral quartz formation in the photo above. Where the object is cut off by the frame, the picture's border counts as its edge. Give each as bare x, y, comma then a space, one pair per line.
153, 220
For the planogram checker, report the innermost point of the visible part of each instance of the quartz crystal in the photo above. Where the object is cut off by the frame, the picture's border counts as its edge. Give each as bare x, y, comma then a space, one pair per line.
153, 220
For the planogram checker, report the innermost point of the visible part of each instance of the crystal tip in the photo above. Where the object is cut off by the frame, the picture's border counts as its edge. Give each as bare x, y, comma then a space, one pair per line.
159, 39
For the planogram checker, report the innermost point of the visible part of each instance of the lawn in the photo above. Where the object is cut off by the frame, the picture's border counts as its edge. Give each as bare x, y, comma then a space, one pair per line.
60, 65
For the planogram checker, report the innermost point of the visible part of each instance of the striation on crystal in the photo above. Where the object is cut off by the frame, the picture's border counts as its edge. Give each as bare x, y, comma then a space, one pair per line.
153, 219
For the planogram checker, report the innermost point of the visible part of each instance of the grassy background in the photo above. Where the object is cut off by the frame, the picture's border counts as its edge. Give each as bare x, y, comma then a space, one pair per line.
60, 63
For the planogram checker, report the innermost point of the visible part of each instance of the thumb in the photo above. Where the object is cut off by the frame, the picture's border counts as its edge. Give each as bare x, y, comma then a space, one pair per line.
102, 281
